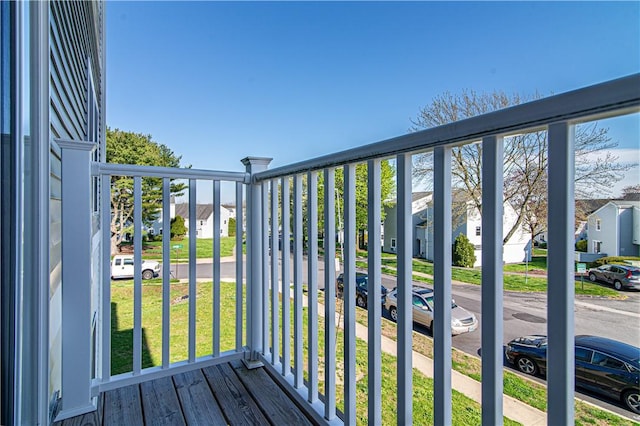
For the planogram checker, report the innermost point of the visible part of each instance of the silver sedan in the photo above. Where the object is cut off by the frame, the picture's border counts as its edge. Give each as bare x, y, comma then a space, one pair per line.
462, 321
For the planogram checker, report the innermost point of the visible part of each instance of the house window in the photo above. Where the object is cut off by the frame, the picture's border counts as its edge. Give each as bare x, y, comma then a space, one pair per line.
477, 231
598, 225
393, 243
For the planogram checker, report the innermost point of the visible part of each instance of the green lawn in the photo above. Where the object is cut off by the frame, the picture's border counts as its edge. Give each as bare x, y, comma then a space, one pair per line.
122, 322
204, 248
538, 264
510, 282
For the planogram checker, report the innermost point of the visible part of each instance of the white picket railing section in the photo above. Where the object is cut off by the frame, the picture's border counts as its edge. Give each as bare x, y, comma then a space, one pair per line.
557, 115
275, 202
137, 173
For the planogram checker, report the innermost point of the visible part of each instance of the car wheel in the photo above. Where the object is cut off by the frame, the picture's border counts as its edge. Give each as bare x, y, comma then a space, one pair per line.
360, 301
617, 285
631, 398
526, 365
393, 313
147, 274
593, 277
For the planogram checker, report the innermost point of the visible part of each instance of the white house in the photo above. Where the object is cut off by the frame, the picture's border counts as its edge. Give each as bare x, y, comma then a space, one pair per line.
469, 222
614, 229
203, 222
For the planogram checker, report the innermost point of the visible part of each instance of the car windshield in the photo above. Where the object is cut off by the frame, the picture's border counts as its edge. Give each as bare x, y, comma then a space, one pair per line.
430, 302
362, 281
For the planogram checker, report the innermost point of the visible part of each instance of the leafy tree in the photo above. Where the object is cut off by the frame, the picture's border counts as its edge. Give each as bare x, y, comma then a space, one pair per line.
525, 158
387, 174
387, 189
232, 227
136, 148
463, 252
178, 230
631, 192
582, 245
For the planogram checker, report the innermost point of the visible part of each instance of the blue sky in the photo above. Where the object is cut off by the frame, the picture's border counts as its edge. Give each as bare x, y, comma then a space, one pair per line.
218, 81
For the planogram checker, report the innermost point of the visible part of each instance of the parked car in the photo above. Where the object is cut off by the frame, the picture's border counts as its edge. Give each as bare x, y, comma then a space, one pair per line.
605, 366
362, 281
122, 267
462, 321
621, 276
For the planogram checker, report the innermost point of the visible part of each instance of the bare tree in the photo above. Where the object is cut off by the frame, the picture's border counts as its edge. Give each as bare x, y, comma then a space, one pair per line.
525, 157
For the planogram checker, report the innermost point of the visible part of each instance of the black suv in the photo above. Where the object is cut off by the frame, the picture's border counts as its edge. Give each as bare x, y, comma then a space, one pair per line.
605, 366
362, 281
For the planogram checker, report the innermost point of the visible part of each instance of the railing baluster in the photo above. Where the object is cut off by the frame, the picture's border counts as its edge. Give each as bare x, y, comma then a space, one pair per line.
192, 269
404, 294
312, 266
349, 294
329, 294
275, 317
298, 236
265, 267
166, 270
374, 293
286, 279
492, 326
442, 285
216, 268
137, 275
239, 264
105, 225
560, 287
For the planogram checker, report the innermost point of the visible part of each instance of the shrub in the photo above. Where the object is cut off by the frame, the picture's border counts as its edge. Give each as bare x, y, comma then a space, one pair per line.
542, 245
463, 252
614, 259
582, 245
232, 227
178, 230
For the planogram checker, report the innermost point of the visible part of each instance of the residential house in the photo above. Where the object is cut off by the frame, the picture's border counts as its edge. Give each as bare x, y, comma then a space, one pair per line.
204, 219
467, 221
614, 229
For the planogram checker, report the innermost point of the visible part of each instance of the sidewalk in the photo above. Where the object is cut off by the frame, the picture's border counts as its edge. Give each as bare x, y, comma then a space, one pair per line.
512, 408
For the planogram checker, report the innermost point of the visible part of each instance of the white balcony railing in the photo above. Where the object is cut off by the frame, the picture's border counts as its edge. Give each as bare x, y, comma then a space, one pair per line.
274, 323
557, 115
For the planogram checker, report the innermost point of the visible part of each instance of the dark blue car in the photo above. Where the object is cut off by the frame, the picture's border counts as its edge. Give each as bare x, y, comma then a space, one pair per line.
603, 365
362, 281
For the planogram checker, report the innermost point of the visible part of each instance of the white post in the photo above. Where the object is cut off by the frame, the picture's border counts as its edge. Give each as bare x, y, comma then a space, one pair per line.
76, 279
254, 261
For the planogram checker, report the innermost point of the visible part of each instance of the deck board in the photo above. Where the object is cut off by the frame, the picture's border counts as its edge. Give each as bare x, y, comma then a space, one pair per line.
276, 405
160, 403
198, 404
122, 406
217, 395
234, 399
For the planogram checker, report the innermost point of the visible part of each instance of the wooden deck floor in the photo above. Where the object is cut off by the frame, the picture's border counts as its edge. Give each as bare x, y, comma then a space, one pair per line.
218, 395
